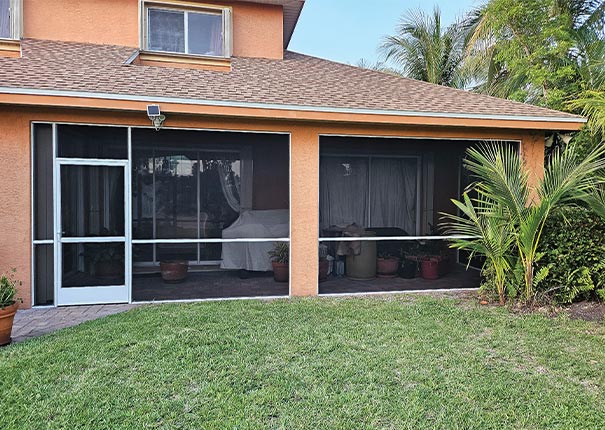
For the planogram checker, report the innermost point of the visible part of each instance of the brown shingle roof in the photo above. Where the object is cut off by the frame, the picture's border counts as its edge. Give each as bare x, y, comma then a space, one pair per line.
298, 80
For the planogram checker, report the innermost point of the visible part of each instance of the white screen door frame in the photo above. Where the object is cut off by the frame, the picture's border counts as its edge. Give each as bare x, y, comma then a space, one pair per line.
103, 294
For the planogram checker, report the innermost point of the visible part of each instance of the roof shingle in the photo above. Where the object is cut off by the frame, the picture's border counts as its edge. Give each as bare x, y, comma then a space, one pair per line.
297, 80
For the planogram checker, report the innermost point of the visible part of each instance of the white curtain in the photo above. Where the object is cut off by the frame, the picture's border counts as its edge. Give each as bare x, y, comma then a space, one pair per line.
230, 184
348, 184
393, 198
343, 191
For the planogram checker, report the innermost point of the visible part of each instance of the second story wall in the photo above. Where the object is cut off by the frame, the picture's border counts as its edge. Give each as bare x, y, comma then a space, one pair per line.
257, 28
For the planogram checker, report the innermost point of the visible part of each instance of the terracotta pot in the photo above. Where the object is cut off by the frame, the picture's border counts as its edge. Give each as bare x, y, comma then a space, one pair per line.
429, 267
387, 267
174, 272
281, 271
324, 267
7, 315
109, 269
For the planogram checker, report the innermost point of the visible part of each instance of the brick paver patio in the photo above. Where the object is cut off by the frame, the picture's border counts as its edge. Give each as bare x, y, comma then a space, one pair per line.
38, 321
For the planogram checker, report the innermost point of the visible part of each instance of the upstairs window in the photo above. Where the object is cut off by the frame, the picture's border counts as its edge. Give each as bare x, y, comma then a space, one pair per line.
194, 31
10, 19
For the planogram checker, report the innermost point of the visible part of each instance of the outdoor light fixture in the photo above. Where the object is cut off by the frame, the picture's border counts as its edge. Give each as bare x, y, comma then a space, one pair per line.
155, 116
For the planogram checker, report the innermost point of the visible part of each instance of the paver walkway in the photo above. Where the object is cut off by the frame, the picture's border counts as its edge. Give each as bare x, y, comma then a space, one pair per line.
36, 322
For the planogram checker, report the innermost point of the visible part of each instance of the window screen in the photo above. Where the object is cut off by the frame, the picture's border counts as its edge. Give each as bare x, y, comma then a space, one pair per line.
5, 27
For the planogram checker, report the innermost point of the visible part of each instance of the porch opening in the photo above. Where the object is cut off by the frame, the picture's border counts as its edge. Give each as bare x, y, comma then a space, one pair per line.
130, 214
381, 201
218, 202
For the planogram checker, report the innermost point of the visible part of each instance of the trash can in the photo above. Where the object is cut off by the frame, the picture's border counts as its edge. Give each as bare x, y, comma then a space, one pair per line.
362, 267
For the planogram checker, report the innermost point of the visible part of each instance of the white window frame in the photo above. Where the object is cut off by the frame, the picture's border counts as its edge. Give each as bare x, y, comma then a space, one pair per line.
186, 7
16, 20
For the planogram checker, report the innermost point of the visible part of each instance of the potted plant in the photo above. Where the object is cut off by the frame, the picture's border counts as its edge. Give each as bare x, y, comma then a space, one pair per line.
174, 271
107, 259
408, 267
280, 256
429, 267
8, 306
387, 265
435, 261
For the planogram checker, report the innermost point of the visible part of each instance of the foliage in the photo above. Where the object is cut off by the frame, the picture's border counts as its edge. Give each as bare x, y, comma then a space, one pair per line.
574, 251
103, 252
8, 289
506, 200
280, 253
544, 52
488, 236
423, 49
359, 363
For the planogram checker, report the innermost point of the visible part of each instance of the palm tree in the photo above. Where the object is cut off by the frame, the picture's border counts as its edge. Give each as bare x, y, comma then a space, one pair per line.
517, 63
424, 50
506, 196
491, 237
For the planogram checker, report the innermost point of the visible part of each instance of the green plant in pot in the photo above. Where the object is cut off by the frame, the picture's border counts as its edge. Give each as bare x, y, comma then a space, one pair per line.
280, 257
8, 305
387, 265
409, 264
107, 259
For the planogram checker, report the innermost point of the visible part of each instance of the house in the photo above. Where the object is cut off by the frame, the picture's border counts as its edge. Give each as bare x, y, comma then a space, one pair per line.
141, 132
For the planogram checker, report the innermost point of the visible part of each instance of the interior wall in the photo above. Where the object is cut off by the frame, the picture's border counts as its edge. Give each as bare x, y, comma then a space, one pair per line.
271, 188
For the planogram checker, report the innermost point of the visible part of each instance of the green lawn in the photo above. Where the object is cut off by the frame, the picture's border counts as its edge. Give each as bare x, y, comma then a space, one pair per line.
314, 364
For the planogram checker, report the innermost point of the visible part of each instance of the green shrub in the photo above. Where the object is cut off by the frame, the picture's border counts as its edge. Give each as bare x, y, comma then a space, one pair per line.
8, 289
573, 244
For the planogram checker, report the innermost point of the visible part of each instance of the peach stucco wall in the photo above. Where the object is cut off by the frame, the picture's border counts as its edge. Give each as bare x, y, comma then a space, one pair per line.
15, 240
257, 29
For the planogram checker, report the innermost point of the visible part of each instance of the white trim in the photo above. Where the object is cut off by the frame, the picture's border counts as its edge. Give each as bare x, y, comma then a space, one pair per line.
128, 217
32, 208
290, 213
92, 162
57, 275
81, 295
187, 241
392, 238
274, 106
218, 299
94, 239
381, 293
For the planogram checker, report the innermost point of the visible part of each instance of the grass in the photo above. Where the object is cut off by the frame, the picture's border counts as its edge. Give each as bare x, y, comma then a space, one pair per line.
309, 364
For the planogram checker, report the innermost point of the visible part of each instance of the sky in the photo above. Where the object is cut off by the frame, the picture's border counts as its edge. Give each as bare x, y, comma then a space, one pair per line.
349, 30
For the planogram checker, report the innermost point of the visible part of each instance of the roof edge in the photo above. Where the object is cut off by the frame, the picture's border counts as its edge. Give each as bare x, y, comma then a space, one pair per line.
275, 106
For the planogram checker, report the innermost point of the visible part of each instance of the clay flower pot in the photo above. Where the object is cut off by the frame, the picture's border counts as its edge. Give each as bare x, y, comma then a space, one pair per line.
387, 267
7, 315
281, 271
109, 269
430, 268
174, 272
324, 267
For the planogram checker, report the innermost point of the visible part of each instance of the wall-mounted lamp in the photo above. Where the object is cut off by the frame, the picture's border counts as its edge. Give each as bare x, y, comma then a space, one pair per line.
155, 116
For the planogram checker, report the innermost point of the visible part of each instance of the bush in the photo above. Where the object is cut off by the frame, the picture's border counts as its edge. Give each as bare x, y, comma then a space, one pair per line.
573, 244
8, 289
